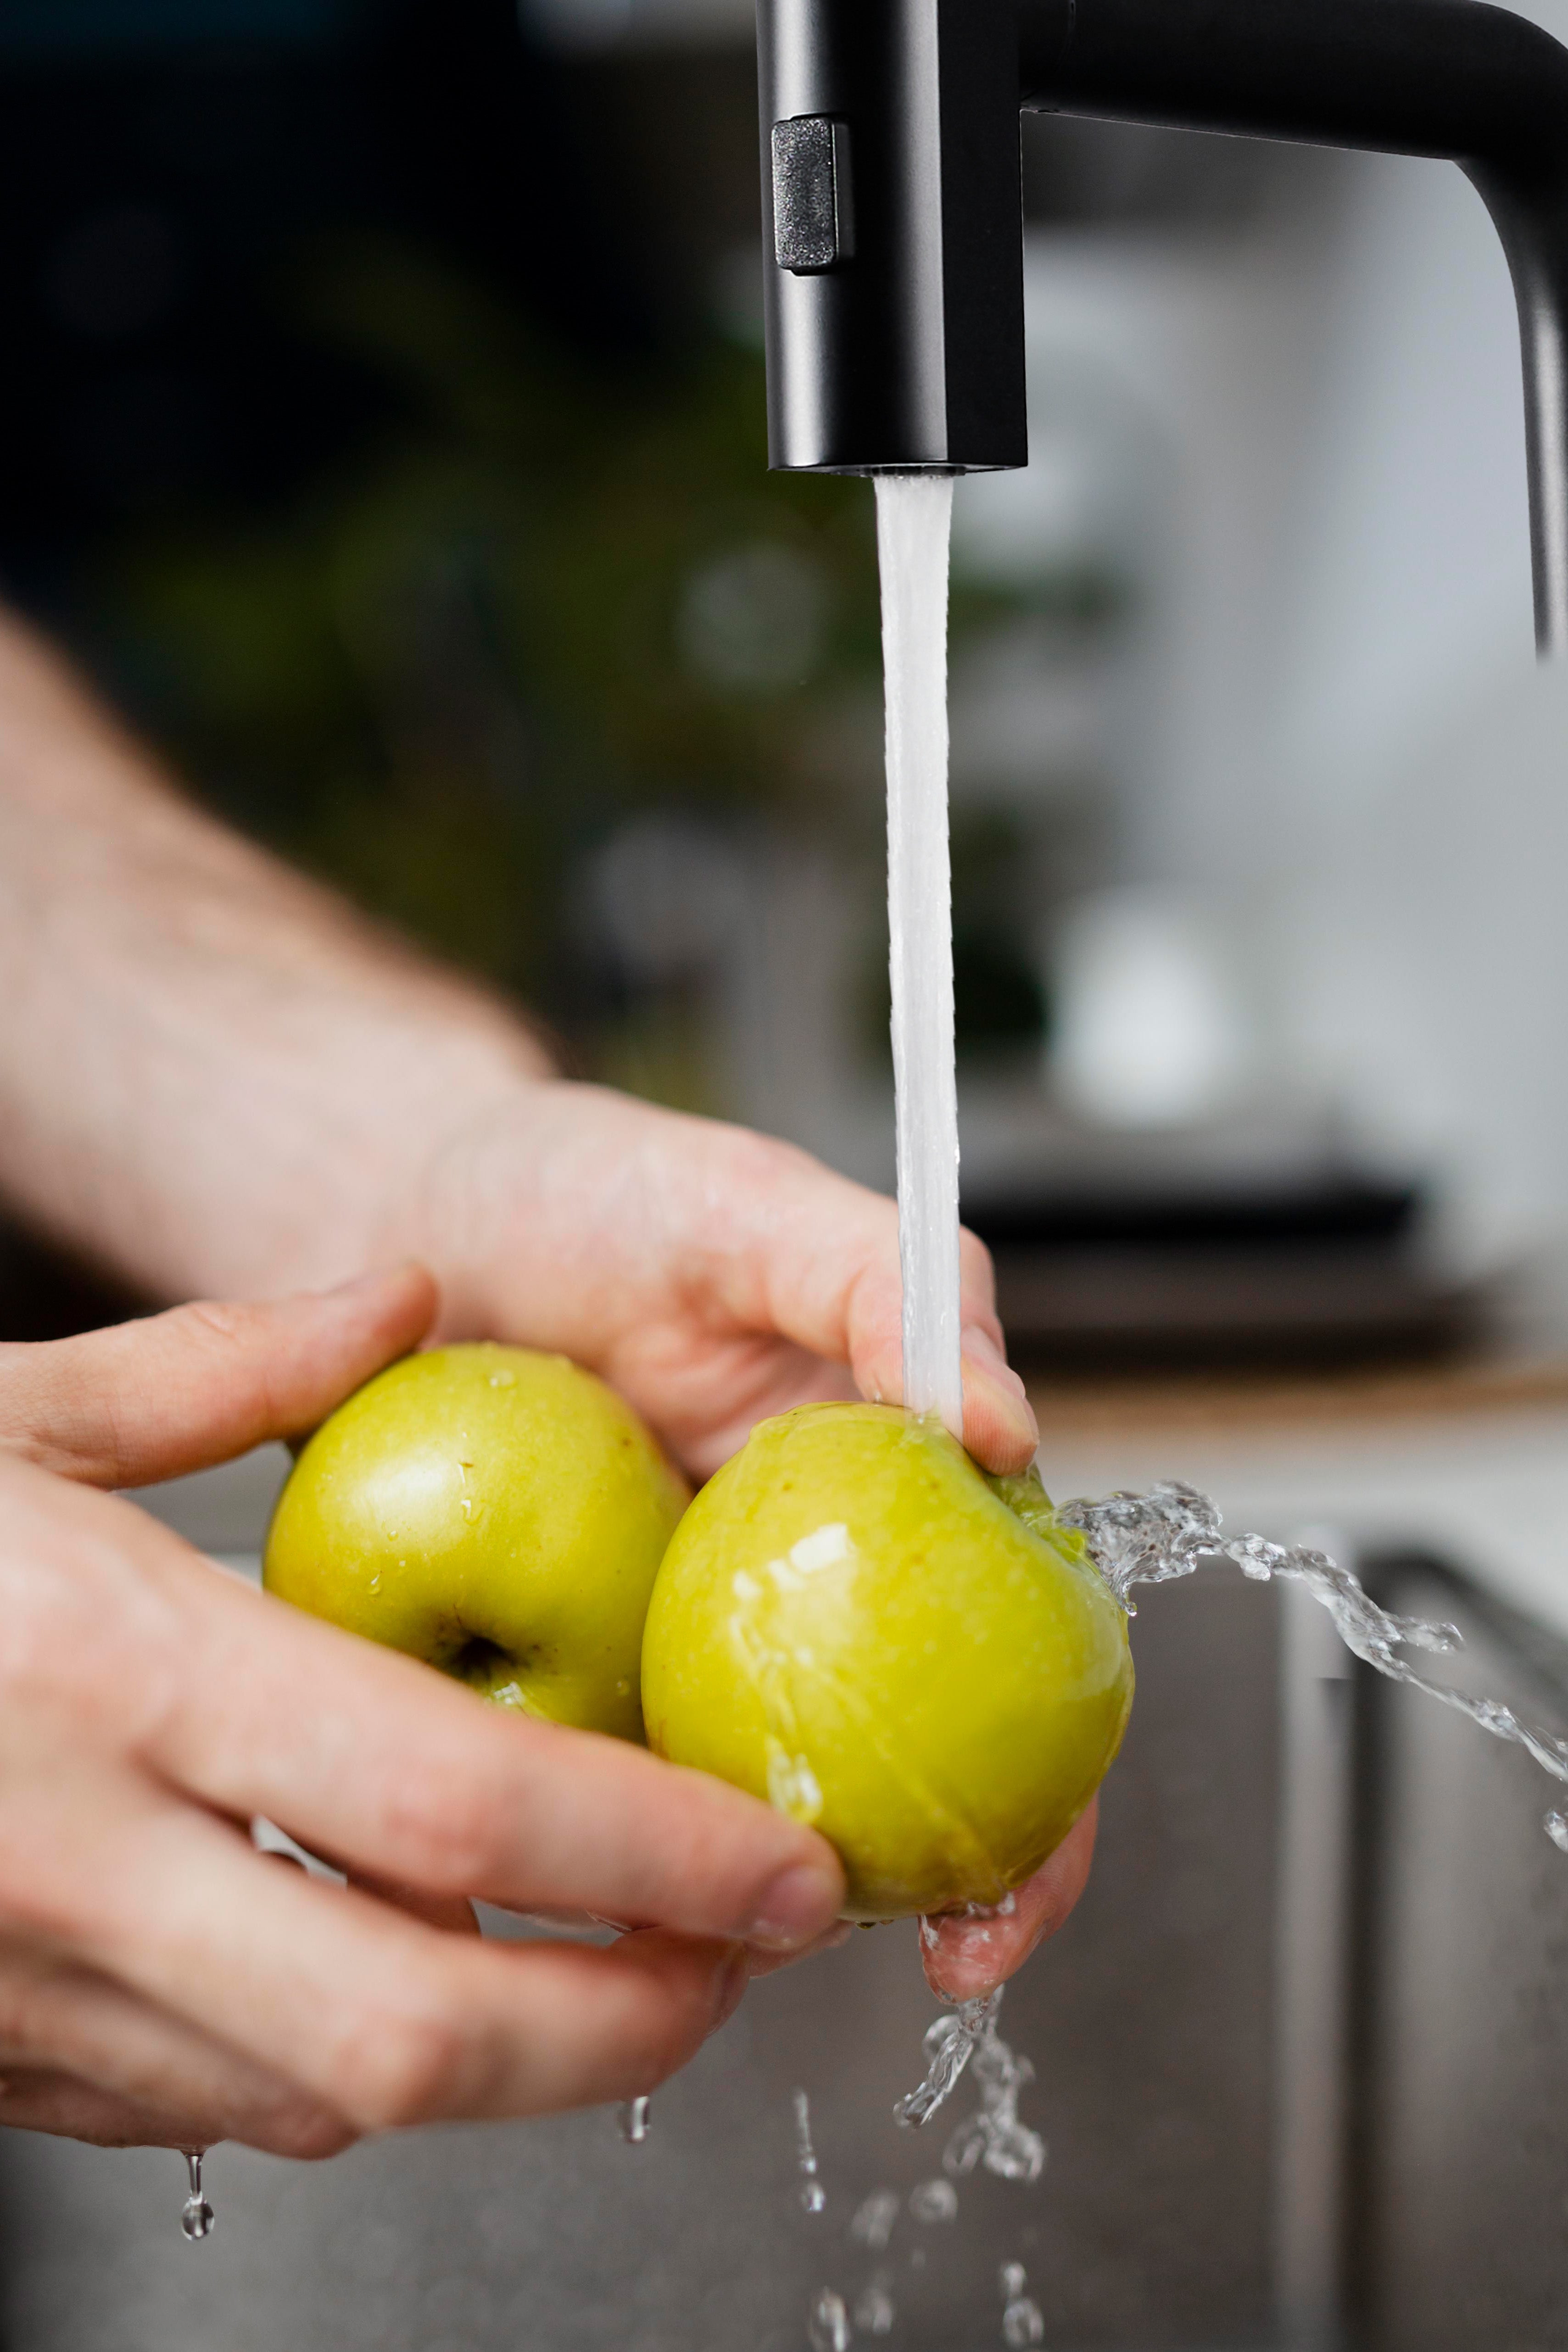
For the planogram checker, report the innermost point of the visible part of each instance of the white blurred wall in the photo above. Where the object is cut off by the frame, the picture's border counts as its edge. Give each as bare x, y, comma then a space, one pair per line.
1342, 745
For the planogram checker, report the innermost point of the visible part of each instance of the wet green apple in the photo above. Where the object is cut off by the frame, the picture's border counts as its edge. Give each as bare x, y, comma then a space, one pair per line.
498, 1512
856, 1623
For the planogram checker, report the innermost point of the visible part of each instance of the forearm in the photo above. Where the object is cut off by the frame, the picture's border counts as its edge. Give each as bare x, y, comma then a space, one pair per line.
210, 1069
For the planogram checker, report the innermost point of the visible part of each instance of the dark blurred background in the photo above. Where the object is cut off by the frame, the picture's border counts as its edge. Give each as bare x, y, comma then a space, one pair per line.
382, 425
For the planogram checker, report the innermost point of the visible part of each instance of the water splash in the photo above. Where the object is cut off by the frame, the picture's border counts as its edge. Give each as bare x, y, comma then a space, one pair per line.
914, 518
874, 2310
1167, 1533
195, 2214
813, 2196
966, 2034
635, 2117
950, 2043
873, 2224
934, 2201
993, 2136
1022, 2322
827, 2327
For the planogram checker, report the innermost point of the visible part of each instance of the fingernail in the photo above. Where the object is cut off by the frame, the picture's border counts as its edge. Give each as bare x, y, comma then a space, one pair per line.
729, 1989
796, 1906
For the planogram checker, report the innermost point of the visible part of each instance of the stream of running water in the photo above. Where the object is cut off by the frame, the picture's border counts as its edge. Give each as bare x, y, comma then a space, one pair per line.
914, 519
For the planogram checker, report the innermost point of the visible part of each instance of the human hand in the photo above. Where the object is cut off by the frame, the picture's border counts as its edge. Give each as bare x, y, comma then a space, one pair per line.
160, 1980
710, 1275
714, 1276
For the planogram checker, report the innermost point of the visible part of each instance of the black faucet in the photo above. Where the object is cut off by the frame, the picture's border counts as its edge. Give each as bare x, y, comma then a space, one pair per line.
893, 221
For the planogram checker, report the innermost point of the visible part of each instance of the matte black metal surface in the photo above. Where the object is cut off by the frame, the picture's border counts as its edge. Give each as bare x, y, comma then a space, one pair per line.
912, 356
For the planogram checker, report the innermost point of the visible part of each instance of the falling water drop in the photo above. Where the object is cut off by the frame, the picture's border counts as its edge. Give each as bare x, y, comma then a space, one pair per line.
1022, 2324
874, 2310
635, 2120
813, 2196
873, 2222
195, 2214
1557, 1830
934, 2201
827, 2327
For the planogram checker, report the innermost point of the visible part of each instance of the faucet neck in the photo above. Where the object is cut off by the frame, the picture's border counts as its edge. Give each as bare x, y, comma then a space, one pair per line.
893, 224
1454, 78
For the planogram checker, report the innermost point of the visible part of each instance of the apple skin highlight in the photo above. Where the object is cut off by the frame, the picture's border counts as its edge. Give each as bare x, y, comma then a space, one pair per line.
498, 1512
855, 1623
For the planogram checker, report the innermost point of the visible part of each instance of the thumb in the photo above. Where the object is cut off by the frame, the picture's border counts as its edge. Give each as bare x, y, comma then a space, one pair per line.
202, 1383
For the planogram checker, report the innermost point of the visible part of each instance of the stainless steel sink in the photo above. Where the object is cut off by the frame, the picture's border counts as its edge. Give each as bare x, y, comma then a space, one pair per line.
1301, 2058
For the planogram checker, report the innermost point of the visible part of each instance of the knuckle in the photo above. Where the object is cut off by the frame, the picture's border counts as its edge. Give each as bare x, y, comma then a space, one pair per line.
306, 2134
974, 1258
406, 2066
210, 1319
445, 1824
24, 2017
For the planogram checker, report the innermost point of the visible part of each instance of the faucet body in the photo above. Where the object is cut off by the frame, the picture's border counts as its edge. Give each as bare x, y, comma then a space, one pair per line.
891, 201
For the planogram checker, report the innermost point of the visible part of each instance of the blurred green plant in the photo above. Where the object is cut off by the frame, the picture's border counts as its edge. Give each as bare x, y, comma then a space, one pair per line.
544, 599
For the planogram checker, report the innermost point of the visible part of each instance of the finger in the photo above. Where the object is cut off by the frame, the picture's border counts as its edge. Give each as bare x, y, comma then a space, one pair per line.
971, 1956
31, 2099
767, 1964
378, 2018
384, 2021
360, 1753
367, 1757
202, 1383
452, 1914
816, 1258
159, 2079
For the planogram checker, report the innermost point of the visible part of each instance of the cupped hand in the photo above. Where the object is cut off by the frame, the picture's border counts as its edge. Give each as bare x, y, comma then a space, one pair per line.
160, 1979
711, 1274
714, 1275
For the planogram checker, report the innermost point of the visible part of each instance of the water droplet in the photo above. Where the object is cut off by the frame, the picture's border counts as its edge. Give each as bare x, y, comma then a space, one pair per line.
634, 2120
813, 2196
1022, 2324
1021, 2321
195, 2214
934, 2201
1557, 1830
874, 2310
873, 2222
827, 2327
503, 1380
792, 1786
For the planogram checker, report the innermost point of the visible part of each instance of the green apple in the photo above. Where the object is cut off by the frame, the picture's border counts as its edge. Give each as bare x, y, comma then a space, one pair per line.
856, 1623
501, 1515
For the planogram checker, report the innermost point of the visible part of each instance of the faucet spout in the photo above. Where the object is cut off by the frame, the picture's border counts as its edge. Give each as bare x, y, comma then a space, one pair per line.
891, 192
